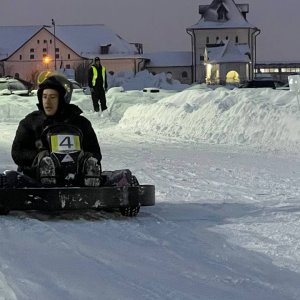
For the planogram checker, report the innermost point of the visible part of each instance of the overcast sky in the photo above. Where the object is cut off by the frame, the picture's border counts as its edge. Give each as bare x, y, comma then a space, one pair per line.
161, 24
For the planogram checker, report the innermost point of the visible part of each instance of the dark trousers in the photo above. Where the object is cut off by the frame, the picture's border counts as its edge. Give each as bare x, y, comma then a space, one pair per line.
99, 96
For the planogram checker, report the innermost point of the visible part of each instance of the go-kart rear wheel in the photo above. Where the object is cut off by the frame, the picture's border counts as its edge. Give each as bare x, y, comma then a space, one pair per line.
4, 211
130, 211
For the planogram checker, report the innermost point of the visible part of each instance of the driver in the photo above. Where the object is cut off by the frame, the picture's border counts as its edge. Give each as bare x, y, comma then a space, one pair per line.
31, 152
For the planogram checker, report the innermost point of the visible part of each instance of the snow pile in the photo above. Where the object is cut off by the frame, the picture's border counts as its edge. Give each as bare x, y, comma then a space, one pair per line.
262, 118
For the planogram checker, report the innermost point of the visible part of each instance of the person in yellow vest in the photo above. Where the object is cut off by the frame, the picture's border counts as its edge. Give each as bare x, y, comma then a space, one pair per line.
97, 81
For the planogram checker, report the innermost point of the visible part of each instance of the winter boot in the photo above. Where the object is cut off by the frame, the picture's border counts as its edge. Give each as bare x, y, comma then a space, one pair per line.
47, 171
92, 172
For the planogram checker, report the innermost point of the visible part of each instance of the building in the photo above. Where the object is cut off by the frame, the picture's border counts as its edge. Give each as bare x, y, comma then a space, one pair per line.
277, 70
177, 63
26, 51
223, 44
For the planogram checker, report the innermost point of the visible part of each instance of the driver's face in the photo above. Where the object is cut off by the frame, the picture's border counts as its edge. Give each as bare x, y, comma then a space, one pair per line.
50, 101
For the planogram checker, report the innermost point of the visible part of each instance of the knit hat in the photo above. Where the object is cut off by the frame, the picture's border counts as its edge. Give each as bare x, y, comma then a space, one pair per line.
97, 59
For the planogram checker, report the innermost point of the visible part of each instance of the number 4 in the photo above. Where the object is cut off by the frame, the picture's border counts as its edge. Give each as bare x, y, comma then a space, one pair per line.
66, 142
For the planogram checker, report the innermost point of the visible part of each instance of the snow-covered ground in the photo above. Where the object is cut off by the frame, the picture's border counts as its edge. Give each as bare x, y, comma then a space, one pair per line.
225, 226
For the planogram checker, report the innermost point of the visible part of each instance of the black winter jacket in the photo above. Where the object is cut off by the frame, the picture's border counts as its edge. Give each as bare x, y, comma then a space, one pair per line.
27, 142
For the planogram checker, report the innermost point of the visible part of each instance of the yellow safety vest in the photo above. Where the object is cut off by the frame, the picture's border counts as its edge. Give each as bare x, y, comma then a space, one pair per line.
95, 75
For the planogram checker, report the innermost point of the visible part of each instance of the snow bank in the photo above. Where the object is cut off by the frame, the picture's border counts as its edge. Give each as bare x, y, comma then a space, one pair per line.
262, 118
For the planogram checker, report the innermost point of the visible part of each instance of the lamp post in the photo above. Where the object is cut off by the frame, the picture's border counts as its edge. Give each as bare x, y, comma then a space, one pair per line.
53, 23
46, 61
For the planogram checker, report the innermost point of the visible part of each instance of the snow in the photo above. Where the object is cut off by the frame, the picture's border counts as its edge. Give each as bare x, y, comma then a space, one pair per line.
80, 38
226, 168
168, 58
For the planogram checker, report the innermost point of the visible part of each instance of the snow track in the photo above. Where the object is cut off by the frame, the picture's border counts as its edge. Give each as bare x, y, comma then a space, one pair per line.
223, 228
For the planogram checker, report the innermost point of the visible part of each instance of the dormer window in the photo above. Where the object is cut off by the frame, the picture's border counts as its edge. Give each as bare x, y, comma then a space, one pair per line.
222, 13
104, 49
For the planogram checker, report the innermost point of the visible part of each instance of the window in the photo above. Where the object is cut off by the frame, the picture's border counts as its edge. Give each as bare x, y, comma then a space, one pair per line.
31, 56
207, 40
69, 56
56, 49
236, 39
269, 70
44, 49
44, 54
184, 74
222, 13
45, 42
290, 70
56, 55
20, 57
31, 50
50, 41
68, 66
38, 41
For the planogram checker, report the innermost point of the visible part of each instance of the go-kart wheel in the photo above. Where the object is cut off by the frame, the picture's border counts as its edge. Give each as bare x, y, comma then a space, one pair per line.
130, 211
4, 211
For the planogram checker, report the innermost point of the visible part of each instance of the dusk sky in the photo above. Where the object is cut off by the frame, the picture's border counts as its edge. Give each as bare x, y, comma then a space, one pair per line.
161, 24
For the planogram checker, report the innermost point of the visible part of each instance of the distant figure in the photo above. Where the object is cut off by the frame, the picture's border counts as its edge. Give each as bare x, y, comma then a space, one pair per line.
97, 81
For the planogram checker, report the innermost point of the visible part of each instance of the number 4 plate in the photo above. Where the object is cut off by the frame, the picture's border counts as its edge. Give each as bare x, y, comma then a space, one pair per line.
65, 143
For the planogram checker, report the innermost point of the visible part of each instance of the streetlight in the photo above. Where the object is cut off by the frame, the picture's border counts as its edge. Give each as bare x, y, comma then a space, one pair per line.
53, 23
46, 60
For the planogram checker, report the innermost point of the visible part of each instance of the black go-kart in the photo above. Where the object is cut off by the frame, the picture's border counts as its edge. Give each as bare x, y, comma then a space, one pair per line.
20, 192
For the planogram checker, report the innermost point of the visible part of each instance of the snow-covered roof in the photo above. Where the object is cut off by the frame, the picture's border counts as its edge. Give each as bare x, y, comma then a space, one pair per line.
233, 16
85, 40
228, 52
13, 37
169, 58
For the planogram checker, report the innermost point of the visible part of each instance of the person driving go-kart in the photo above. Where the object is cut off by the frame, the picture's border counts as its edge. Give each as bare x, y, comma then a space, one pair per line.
55, 144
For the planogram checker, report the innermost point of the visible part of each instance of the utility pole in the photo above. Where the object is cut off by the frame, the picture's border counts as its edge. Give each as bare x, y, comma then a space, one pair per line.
53, 23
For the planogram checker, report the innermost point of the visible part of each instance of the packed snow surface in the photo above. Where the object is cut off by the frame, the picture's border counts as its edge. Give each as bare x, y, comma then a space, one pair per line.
226, 167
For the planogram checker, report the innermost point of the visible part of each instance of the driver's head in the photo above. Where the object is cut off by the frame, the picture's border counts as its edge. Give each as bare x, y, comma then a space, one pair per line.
52, 95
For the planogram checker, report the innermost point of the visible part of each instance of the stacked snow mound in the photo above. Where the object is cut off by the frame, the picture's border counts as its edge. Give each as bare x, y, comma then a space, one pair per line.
264, 118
